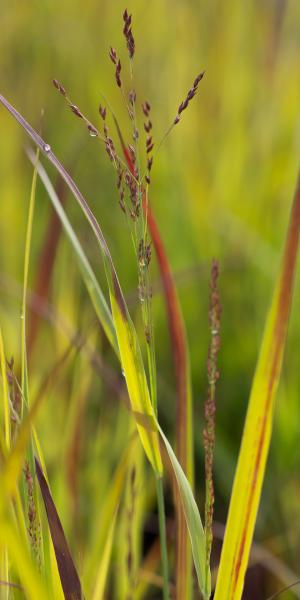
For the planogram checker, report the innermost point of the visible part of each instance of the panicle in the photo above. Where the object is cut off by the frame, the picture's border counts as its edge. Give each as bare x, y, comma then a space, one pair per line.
190, 95
102, 112
146, 108
116, 61
127, 30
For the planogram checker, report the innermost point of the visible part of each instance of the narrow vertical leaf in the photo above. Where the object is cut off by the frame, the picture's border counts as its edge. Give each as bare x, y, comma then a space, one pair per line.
6, 409
258, 426
104, 565
97, 297
32, 583
193, 521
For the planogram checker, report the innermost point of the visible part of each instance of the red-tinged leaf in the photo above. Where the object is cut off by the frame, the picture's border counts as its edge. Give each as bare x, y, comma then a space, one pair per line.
249, 476
68, 575
184, 428
45, 266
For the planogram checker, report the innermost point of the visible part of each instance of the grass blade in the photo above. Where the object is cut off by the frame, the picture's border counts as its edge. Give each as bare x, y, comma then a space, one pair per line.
24, 376
68, 575
104, 565
193, 521
45, 266
13, 464
32, 584
6, 407
109, 509
92, 285
132, 364
131, 358
37, 548
258, 425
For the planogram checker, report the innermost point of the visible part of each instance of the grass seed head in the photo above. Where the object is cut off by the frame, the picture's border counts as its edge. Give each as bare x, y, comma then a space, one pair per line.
75, 110
59, 87
127, 30
190, 95
102, 112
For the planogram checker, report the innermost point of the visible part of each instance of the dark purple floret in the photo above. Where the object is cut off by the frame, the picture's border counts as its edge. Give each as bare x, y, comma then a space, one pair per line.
59, 87
190, 95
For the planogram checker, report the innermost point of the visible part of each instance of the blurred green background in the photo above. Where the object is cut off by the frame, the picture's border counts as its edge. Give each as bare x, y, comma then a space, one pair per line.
221, 187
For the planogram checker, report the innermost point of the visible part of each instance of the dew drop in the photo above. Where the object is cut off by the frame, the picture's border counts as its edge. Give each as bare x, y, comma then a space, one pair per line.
93, 133
47, 147
123, 373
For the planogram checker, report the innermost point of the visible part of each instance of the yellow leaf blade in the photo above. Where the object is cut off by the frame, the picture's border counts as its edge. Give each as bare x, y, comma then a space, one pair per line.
132, 364
258, 426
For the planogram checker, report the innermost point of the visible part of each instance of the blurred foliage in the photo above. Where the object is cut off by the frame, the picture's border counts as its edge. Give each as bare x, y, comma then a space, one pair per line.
222, 187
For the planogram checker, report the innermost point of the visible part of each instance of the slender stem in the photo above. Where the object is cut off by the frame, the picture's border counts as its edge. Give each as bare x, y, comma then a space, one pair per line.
163, 536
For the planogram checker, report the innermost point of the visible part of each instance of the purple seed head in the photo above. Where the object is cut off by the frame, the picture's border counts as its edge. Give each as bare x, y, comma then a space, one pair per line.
102, 111
118, 72
59, 87
113, 55
92, 130
190, 95
132, 97
148, 126
75, 110
127, 30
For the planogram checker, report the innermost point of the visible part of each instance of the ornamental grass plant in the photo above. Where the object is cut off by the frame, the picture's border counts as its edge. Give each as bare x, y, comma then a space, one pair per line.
134, 517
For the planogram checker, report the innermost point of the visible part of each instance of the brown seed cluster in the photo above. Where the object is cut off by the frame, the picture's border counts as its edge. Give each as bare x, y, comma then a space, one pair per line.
33, 529
109, 144
102, 112
210, 403
127, 30
59, 87
124, 178
146, 108
116, 61
93, 131
127, 180
131, 112
190, 95
120, 187
144, 254
132, 187
76, 111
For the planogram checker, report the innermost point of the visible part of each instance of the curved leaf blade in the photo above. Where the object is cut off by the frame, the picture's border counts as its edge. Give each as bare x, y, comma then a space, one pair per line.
97, 297
126, 335
193, 520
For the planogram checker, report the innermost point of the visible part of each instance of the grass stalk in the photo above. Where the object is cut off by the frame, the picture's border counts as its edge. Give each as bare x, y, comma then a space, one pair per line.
163, 536
132, 363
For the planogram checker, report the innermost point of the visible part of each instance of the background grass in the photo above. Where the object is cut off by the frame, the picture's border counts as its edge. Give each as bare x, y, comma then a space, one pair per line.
222, 187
